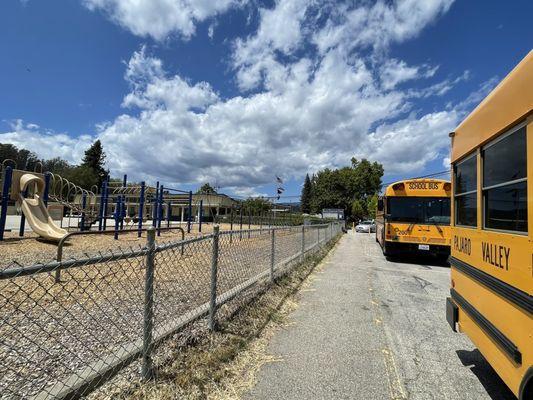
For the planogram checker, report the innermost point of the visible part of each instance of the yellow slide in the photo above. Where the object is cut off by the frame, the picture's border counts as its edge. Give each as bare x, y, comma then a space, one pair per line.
36, 212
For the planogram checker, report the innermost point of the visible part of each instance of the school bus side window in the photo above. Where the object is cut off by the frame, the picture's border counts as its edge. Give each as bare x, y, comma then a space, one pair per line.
505, 182
465, 176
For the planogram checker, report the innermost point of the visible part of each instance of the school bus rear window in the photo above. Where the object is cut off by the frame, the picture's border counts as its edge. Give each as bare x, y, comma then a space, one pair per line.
505, 183
465, 192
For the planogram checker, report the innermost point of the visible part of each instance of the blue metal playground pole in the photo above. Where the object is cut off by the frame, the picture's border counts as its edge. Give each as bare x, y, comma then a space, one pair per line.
117, 215
101, 214
169, 211
141, 208
189, 216
23, 218
159, 210
8, 174
106, 204
83, 205
154, 211
123, 209
46, 193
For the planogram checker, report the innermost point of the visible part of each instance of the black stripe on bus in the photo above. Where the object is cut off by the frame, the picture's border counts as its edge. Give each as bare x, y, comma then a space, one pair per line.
517, 297
502, 340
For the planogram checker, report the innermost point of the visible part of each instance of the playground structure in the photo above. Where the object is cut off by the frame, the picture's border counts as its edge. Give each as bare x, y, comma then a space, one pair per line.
117, 206
45, 198
34, 209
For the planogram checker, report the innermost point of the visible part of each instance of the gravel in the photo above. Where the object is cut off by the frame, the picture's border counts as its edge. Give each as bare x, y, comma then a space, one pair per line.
49, 331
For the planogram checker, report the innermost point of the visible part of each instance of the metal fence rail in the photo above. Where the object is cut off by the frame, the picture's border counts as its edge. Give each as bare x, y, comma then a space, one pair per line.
64, 340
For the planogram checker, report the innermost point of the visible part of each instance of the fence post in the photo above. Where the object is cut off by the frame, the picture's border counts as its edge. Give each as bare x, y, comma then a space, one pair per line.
272, 254
214, 272
303, 241
148, 305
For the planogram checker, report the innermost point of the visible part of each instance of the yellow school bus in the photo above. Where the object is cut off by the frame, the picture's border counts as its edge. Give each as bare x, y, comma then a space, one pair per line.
414, 216
492, 229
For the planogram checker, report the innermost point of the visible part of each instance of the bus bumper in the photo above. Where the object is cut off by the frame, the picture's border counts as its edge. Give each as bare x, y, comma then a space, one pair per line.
452, 313
412, 248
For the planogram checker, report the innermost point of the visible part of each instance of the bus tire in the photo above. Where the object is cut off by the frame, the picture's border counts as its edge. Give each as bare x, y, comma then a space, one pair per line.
525, 392
384, 249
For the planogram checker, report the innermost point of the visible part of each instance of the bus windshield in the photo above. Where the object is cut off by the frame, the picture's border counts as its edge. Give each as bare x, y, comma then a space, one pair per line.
419, 210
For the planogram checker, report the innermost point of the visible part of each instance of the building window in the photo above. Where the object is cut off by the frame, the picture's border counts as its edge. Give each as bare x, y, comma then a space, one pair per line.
505, 182
465, 178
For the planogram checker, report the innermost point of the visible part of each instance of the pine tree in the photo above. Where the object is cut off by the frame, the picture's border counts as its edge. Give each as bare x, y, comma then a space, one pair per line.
306, 195
94, 159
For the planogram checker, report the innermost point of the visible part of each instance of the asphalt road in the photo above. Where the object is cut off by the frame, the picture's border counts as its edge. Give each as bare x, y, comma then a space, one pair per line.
368, 328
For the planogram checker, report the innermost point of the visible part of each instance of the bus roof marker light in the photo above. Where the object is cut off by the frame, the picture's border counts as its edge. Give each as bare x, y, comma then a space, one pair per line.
447, 186
398, 186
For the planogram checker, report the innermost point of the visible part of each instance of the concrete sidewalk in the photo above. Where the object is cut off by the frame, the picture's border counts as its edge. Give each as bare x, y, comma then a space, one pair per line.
368, 328
335, 346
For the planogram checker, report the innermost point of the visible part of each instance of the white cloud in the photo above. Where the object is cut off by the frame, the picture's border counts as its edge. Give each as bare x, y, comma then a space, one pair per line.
406, 146
161, 18
46, 144
309, 110
378, 24
280, 29
394, 72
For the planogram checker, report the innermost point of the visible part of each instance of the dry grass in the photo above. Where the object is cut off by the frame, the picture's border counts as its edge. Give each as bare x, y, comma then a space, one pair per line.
225, 364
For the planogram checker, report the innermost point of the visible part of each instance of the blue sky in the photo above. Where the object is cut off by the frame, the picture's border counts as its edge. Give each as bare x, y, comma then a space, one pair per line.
234, 92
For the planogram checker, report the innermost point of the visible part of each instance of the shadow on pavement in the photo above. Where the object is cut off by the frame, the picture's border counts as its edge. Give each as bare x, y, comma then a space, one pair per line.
495, 387
419, 259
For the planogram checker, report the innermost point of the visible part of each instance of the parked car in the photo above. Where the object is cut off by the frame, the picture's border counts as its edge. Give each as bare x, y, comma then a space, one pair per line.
365, 227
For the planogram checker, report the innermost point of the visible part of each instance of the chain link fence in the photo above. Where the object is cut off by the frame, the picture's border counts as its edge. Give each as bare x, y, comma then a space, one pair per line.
107, 313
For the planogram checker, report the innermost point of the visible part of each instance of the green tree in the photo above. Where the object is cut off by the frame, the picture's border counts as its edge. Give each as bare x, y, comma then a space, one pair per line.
358, 211
338, 188
94, 160
82, 176
206, 188
256, 205
306, 197
24, 159
371, 206
57, 166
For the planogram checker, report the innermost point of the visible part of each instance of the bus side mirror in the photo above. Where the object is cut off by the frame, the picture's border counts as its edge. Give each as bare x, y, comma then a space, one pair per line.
380, 204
